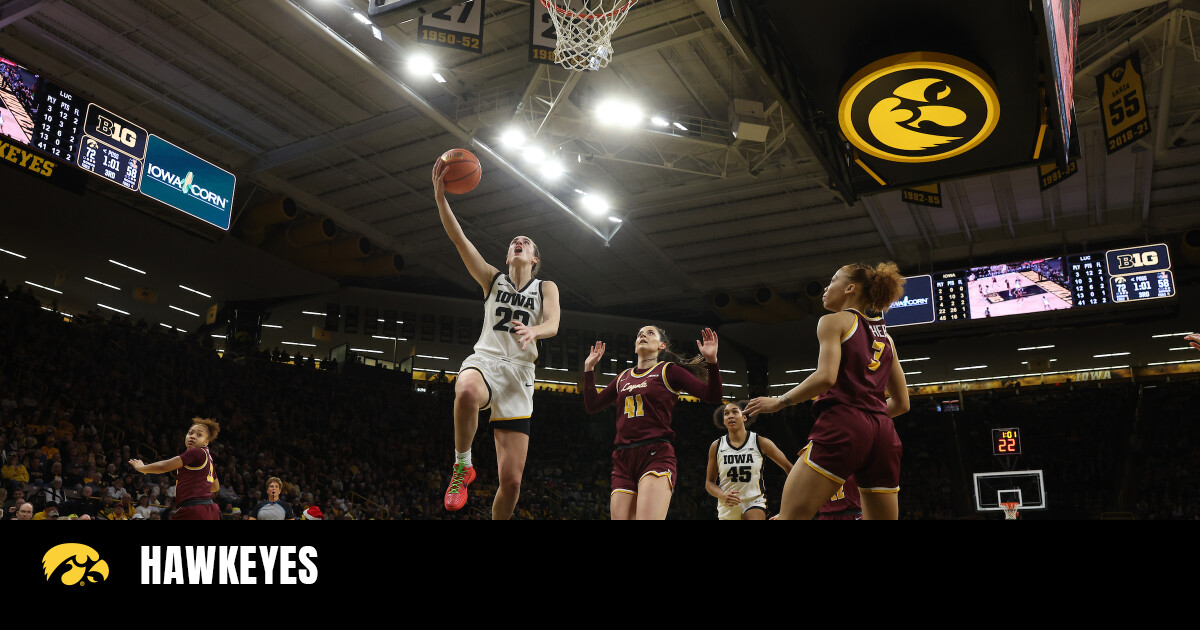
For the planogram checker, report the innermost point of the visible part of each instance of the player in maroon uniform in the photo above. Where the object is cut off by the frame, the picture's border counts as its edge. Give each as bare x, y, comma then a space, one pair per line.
197, 480
644, 467
859, 387
844, 505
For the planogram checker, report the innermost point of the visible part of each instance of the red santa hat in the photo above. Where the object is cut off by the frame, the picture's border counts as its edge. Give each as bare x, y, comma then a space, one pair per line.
313, 514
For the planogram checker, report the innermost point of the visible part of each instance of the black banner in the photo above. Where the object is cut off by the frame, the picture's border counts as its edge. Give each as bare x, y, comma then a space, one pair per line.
23, 158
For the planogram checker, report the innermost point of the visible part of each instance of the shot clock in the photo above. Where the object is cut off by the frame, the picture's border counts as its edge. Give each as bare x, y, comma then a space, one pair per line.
1006, 441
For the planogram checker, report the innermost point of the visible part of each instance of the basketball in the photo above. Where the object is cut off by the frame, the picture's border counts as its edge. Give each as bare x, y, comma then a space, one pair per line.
462, 171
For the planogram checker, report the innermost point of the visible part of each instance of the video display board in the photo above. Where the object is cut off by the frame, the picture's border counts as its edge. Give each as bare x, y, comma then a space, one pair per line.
1036, 285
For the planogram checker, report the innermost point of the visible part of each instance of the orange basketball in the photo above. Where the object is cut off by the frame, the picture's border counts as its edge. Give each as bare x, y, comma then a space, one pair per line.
462, 171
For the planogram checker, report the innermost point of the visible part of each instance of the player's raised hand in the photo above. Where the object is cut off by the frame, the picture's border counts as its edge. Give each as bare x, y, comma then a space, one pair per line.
1194, 340
439, 173
763, 404
137, 464
708, 349
594, 357
524, 334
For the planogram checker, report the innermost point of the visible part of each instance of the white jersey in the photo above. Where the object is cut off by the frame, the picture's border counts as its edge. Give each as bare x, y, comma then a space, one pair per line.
740, 469
506, 304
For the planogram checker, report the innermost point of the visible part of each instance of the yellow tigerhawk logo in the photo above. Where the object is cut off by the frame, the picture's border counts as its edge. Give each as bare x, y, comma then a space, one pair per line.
74, 564
918, 107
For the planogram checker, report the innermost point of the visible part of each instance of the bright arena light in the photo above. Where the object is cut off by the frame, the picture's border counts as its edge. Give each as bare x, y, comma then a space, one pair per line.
622, 113
659, 121
595, 205
421, 64
513, 138
533, 154
552, 169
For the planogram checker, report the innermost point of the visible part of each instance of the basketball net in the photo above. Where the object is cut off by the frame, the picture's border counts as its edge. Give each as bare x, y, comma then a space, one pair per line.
1010, 511
584, 29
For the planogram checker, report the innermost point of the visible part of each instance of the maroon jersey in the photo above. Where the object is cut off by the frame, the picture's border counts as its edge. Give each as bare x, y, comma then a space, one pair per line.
196, 476
645, 400
865, 368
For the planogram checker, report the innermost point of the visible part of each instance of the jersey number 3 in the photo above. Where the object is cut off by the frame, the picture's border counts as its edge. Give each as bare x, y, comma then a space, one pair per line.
878, 347
507, 315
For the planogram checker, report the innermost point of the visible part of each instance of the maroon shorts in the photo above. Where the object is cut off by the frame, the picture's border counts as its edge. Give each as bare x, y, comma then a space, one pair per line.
848, 441
209, 512
631, 464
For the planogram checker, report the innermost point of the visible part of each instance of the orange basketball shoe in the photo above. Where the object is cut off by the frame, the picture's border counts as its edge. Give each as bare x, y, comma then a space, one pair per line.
456, 494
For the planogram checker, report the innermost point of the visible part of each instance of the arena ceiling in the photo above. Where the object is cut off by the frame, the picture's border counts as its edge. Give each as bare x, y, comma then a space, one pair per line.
296, 98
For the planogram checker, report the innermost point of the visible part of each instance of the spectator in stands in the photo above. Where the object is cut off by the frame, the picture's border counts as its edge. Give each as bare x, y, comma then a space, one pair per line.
117, 490
25, 511
14, 474
48, 513
54, 492
274, 508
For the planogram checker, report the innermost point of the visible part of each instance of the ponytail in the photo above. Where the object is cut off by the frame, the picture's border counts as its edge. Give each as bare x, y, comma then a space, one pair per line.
696, 365
881, 284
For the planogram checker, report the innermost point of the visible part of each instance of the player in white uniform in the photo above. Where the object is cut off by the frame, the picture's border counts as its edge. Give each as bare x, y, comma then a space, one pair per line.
518, 311
735, 466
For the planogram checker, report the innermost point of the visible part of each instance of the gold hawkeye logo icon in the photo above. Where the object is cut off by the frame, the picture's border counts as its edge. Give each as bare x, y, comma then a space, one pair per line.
918, 107
74, 564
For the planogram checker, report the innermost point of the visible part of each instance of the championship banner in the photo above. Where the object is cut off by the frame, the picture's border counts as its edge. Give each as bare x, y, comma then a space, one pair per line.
1049, 175
459, 27
930, 195
543, 39
1123, 103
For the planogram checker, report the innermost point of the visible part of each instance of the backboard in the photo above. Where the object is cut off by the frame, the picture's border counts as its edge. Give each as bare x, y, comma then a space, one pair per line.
1025, 487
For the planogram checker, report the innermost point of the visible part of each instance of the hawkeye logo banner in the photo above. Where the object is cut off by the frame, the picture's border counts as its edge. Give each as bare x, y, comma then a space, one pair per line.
918, 107
185, 182
1123, 103
74, 564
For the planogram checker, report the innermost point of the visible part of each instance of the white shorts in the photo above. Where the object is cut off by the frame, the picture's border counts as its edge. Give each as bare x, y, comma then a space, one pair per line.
509, 383
735, 512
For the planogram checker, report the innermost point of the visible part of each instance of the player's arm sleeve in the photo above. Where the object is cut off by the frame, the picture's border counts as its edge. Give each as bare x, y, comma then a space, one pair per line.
594, 401
709, 392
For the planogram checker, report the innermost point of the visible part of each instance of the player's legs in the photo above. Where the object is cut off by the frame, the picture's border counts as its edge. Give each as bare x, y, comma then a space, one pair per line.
622, 506
470, 395
754, 514
653, 497
804, 491
880, 506
512, 447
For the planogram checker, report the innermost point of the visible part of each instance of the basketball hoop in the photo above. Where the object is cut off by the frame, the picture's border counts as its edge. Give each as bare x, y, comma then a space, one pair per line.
1010, 511
585, 29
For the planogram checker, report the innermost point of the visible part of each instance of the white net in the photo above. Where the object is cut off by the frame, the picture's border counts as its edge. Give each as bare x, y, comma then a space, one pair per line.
584, 29
1010, 511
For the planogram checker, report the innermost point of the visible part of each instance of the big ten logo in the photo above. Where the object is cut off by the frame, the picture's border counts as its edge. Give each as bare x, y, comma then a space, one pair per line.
1137, 259
114, 130
74, 564
918, 107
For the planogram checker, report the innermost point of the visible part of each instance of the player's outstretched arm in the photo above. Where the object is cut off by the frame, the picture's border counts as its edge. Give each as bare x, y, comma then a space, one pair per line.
1193, 340
897, 388
830, 329
480, 270
159, 467
774, 454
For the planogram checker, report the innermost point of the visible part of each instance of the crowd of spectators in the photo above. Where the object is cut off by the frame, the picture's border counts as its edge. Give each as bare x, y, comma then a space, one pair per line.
80, 396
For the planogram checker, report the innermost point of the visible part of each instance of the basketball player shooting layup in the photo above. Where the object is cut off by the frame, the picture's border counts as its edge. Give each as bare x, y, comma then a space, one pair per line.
519, 309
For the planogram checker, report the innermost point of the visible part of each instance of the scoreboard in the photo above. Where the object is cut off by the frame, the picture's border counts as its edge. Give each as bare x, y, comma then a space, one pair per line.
38, 113
1042, 284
